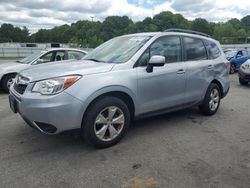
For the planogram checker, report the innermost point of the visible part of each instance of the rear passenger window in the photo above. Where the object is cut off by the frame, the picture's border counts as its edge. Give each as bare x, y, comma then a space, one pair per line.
75, 55
195, 49
212, 49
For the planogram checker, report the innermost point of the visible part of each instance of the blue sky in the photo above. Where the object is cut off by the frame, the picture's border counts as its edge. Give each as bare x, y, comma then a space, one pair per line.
146, 3
47, 13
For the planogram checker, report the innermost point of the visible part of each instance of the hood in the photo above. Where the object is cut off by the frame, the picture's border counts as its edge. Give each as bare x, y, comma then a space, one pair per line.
12, 67
57, 69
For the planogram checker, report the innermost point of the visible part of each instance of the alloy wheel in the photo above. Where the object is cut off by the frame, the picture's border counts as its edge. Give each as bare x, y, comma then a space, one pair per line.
10, 82
214, 99
109, 123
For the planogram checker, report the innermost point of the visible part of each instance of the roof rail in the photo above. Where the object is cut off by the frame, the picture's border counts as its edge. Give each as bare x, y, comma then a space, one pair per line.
187, 31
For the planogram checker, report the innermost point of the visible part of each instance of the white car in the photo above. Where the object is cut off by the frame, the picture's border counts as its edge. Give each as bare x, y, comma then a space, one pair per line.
9, 70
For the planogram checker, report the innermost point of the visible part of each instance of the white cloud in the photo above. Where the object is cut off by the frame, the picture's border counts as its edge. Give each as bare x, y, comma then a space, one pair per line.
46, 13
212, 10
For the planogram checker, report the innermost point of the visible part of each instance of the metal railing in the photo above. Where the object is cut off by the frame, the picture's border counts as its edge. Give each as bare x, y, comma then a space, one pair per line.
236, 46
17, 52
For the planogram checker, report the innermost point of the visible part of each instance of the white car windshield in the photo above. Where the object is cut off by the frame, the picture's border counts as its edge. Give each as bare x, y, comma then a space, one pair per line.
230, 53
117, 50
30, 58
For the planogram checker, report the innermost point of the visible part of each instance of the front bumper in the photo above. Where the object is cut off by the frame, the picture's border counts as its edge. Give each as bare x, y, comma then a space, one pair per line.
244, 75
49, 114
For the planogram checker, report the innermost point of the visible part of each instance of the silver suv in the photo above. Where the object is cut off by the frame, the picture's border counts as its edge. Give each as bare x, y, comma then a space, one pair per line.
126, 78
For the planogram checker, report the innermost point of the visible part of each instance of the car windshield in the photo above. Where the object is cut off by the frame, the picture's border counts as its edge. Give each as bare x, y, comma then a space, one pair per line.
230, 53
117, 50
30, 58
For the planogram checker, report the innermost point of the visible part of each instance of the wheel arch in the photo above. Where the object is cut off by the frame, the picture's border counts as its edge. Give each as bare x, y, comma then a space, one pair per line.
120, 92
9, 73
217, 82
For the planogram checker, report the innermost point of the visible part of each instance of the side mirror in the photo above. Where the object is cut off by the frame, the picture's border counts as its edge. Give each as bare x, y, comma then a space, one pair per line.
155, 61
39, 61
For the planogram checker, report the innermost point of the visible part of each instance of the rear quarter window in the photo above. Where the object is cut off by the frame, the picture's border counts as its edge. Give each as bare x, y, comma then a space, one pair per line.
212, 49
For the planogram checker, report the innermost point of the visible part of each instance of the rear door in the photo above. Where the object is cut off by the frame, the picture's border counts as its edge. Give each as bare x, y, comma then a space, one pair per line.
200, 69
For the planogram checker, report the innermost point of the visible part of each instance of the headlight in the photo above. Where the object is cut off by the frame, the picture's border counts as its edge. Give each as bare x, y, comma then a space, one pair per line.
246, 66
54, 85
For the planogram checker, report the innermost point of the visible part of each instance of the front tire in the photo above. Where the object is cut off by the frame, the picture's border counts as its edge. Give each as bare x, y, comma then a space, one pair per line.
212, 99
7, 81
106, 122
243, 82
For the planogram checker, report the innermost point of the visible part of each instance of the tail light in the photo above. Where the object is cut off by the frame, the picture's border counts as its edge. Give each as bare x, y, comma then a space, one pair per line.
227, 64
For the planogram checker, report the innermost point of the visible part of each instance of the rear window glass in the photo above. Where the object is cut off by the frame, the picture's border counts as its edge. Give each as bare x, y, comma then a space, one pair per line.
212, 49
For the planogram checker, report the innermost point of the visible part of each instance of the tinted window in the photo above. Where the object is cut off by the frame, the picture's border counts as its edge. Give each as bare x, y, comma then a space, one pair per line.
239, 53
75, 55
60, 56
169, 47
244, 52
143, 61
212, 49
47, 57
195, 49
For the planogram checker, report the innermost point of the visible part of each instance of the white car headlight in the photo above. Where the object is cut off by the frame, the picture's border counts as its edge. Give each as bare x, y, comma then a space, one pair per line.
54, 85
246, 66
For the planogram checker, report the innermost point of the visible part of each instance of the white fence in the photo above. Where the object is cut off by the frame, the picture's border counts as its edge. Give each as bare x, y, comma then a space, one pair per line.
25, 51
13, 52
245, 46
18, 52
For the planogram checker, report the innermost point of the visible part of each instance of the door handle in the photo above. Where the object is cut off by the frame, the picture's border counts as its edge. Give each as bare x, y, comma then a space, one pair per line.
181, 71
210, 66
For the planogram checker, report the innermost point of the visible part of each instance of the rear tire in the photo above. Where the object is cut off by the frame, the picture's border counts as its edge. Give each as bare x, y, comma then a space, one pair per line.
232, 68
211, 101
243, 82
106, 122
7, 81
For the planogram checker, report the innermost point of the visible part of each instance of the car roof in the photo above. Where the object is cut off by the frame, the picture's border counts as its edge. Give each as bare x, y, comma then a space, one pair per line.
152, 34
61, 49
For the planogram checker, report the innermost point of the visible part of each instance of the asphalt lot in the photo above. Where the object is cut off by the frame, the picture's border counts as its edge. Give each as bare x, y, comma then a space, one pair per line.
181, 149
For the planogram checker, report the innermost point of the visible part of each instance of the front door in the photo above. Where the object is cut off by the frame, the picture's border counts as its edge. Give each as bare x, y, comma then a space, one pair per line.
164, 87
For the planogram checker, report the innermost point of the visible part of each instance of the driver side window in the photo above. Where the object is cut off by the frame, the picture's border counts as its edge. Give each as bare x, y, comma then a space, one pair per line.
47, 57
169, 47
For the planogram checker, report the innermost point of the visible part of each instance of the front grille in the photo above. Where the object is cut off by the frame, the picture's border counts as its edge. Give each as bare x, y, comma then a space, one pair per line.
20, 88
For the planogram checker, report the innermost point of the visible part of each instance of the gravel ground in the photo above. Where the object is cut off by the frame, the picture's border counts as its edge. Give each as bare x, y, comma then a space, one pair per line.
181, 149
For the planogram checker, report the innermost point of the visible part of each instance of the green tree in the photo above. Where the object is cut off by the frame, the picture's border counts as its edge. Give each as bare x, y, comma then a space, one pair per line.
246, 21
202, 25
86, 33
